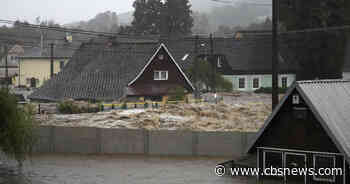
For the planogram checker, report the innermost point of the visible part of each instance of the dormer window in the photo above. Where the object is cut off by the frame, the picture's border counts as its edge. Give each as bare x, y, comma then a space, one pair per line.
161, 57
161, 75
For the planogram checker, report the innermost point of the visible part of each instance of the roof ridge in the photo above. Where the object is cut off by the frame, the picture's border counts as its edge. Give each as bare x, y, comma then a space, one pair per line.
325, 81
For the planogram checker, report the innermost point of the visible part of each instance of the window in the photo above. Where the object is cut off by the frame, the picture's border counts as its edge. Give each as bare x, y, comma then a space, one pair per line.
324, 162
160, 75
296, 99
61, 65
241, 83
256, 83
28, 81
161, 57
272, 159
284, 82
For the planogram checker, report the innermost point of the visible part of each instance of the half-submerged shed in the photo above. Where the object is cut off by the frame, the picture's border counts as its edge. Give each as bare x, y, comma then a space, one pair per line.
310, 128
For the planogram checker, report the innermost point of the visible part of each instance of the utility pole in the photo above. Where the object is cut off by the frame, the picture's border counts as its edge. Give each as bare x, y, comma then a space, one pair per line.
6, 68
51, 63
41, 42
19, 68
275, 51
196, 93
213, 61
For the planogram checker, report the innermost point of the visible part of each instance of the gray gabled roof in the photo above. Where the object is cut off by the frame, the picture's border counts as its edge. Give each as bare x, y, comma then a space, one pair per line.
102, 68
36, 52
329, 100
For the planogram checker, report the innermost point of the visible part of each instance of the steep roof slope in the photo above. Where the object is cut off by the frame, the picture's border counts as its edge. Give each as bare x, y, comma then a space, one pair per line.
102, 68
329, 102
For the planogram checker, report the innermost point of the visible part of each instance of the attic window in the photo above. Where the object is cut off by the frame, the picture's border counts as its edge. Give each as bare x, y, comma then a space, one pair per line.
296, 99
161, 57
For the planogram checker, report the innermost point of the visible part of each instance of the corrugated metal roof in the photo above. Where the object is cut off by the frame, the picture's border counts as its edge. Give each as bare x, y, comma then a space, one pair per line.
329, 100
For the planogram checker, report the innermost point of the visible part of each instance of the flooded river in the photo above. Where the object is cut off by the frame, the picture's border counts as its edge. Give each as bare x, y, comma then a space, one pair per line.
83, 169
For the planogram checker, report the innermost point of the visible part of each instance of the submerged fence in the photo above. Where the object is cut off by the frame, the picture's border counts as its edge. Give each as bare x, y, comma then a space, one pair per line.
136, 105
89, 140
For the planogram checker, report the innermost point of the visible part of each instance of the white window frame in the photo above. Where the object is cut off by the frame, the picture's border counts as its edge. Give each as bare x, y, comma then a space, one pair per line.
160, 75
268, 151
245, 82
314, 177
259, 80
284, 77
296, 99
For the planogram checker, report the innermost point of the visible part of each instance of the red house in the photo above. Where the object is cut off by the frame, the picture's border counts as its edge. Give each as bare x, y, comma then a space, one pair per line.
159, 77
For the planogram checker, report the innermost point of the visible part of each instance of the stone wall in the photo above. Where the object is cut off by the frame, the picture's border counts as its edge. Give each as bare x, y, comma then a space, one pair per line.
126, 141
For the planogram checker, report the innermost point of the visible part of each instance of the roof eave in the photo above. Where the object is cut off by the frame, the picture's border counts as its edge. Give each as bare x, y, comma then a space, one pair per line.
270, 118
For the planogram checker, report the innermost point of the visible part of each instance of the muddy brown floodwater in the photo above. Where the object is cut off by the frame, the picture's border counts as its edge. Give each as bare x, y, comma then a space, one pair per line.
83, 169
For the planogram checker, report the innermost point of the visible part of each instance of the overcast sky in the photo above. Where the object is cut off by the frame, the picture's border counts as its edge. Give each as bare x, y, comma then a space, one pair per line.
67, 11
62, 11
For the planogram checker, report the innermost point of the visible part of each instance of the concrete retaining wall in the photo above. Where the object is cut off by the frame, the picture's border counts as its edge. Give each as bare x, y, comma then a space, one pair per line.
126, 141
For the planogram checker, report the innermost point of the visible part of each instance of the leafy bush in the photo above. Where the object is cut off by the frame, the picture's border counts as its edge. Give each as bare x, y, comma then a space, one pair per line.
68, 107
202, 73
268, 90
17, 125
178, 94
223, 84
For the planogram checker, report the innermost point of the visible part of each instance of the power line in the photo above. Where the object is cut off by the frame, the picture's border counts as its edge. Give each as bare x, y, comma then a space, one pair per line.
78, 31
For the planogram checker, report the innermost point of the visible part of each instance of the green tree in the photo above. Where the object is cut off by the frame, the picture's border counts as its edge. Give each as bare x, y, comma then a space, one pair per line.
320, 54
173, 17
178, 17
147, 16
202, 73
17, 135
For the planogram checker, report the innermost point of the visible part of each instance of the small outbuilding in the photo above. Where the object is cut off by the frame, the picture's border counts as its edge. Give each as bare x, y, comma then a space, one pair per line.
310, 129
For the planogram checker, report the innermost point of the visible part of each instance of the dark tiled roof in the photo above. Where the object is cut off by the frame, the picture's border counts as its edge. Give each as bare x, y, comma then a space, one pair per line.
35, 52
101, 69
253, 54
329, 102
